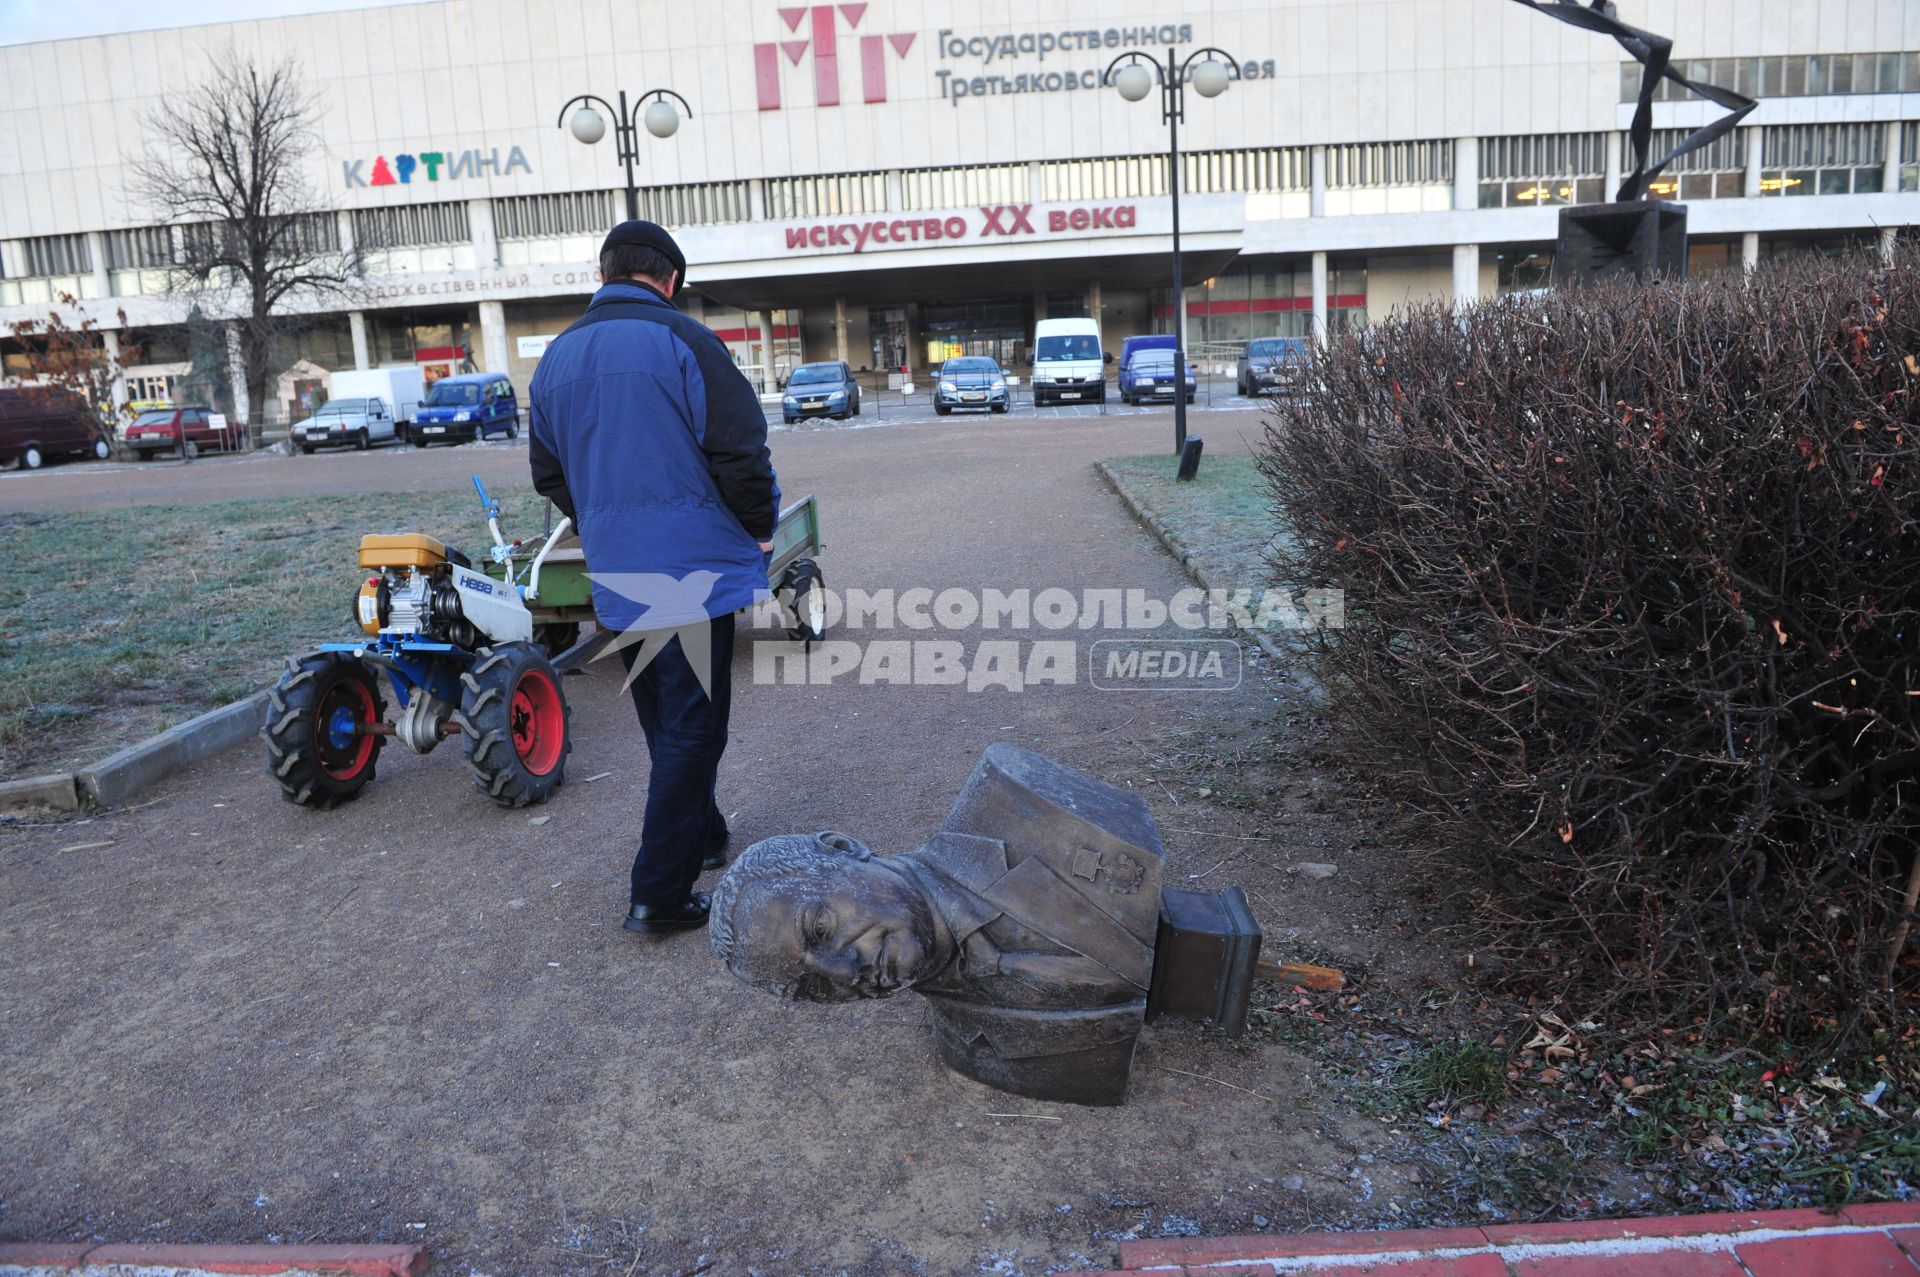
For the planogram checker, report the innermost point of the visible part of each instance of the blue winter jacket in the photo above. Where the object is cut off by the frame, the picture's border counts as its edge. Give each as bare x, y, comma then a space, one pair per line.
653, 442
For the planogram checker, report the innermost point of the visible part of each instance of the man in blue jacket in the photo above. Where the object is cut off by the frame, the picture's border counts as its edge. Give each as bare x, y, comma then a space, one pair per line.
648, 437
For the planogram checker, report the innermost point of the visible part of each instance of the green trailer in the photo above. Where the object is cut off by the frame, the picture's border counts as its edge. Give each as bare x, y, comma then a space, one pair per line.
552, 570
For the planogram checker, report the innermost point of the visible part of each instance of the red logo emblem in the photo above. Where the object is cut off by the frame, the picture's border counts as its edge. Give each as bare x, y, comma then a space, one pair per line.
826, 55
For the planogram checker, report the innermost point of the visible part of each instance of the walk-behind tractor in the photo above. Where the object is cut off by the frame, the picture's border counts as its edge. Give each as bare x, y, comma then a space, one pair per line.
471, 652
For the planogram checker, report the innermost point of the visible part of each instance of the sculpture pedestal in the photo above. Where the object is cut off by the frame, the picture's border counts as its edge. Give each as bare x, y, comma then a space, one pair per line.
1641, 239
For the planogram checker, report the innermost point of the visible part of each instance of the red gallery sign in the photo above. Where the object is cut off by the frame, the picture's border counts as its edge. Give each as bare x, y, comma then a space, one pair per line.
993, 220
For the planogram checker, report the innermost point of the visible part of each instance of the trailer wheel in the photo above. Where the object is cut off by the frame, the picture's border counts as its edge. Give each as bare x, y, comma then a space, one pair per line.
803, 601
514, 718
317, 748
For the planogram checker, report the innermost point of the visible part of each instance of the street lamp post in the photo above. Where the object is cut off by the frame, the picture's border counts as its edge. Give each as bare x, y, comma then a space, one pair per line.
650, 109
1210, 70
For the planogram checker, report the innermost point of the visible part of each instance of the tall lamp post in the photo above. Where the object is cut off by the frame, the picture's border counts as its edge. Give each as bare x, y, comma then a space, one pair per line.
1210, 71
651, 109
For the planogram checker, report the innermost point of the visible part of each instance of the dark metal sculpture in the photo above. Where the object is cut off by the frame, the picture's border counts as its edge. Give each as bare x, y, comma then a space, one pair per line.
1636, 235
1655, 53
1029, 923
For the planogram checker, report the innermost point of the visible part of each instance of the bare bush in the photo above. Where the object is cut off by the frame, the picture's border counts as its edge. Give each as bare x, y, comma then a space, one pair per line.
1633, 582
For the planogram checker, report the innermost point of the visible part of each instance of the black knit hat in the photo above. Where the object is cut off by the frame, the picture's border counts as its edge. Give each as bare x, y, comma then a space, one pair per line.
650, 235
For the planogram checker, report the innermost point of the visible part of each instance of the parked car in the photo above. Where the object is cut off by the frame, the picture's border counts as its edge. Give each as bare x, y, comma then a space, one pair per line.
40, 422
821, 390
1151, 378
187, 430
360, 422
1144, 341
402, 387
1068, 364
1271, 363
1131, 349
460, 409
972, 381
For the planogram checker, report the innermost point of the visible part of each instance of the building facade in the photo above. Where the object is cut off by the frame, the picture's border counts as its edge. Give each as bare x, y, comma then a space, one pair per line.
895, 182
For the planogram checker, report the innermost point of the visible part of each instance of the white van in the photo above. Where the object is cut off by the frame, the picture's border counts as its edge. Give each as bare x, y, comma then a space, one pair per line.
1068, 366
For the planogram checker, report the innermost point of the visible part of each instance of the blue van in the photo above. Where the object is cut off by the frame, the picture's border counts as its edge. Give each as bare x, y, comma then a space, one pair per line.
471, 406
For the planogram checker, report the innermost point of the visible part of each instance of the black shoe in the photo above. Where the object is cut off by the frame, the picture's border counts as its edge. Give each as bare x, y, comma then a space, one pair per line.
716, 857
661, 920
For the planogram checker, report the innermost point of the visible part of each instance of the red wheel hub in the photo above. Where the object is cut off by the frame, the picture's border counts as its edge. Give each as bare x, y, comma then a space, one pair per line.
344, 708
538, 718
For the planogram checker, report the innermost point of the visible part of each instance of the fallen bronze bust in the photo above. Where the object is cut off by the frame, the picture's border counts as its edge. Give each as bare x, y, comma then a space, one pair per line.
1030, 923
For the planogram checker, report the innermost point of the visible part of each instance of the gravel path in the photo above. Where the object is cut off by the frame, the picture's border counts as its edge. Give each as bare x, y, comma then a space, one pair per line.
417, 1018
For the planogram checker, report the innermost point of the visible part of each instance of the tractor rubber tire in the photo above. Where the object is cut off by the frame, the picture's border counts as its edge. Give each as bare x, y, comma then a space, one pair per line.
556, 637
515, 721
311, 751
803, 601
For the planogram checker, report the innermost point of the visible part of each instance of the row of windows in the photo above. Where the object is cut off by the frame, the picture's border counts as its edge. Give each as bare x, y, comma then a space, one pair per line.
592, 212
1543, 155
47, 255
826, 195
1390, 164
411, 225
1796, 159
1522, 171
550, 216
1799, 76
964, 187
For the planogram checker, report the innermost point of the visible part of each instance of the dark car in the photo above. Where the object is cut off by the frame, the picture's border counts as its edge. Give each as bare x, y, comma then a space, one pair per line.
38, 422
973, 381
821, 390
1150, 378
188, 430
1271, 364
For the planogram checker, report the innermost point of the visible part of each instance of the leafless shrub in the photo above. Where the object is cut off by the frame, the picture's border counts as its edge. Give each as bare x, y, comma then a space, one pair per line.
1633, 581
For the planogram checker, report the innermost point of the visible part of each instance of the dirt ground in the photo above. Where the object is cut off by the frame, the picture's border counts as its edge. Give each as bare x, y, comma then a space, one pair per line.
417, 1018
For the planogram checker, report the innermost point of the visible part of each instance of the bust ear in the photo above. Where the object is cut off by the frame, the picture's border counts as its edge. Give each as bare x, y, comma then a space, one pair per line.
841, 844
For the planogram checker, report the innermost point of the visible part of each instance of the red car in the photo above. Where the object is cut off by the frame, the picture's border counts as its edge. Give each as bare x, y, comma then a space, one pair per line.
162, 430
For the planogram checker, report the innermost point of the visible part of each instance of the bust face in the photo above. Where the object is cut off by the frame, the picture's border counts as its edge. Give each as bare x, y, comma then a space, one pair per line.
819, 919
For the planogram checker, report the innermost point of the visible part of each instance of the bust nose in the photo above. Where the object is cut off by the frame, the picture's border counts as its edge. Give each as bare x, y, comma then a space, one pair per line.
841, 966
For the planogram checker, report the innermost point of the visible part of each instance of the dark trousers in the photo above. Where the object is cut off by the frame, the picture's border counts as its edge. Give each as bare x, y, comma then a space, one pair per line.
686, 733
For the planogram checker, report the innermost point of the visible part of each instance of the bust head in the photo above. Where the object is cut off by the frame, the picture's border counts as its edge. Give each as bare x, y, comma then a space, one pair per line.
819, 918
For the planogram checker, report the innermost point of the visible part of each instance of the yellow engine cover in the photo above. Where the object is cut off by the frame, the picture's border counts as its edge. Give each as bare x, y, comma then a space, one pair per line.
401, 550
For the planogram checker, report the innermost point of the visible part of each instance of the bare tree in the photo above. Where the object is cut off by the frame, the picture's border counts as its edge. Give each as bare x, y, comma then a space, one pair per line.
73, 358
250, 238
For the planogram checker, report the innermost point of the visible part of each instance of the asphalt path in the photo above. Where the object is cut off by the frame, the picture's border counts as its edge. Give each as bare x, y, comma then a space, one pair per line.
418, 1018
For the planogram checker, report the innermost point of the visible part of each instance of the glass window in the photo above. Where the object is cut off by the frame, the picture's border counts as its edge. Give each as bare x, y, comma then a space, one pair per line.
1887, 72
1795, 83
808, 374
1842, 75
447, 394
1772, 77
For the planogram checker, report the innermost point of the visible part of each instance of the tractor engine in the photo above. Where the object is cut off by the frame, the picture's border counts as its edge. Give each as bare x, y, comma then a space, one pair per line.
420, 589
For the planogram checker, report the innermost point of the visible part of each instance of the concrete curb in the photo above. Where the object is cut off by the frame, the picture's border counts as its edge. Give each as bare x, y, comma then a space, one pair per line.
57, 791
1802, 1241
115, 779
263, 1261
1185, 556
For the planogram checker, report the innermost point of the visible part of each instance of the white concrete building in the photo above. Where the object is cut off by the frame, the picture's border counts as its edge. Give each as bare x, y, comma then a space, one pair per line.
893, 181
